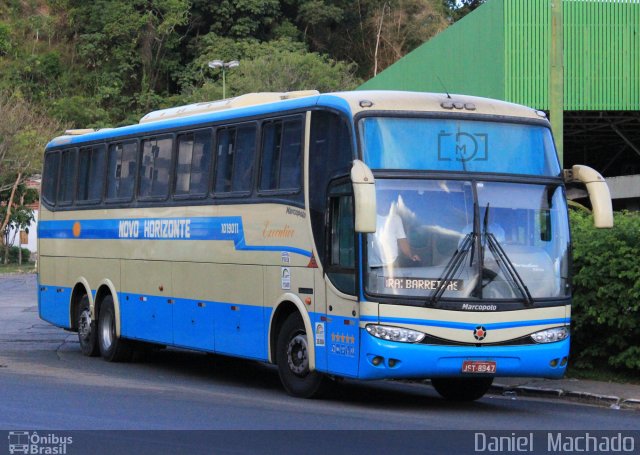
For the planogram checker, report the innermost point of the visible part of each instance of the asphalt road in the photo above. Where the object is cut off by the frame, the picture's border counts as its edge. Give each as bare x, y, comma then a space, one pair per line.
46, 384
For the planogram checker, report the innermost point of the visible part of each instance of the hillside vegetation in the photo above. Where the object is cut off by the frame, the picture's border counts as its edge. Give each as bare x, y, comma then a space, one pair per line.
107, 62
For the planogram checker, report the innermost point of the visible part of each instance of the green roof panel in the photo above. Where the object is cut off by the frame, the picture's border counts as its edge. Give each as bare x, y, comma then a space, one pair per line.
501, 50
466, 58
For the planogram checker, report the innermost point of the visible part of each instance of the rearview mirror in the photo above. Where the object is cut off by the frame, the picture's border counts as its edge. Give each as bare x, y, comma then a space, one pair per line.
364, 195
598, 190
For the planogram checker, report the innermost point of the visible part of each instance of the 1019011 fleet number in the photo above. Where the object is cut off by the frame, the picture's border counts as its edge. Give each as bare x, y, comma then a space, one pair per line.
479, 366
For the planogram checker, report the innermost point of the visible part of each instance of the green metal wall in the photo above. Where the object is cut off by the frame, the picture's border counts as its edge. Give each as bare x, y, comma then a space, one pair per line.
501, 50
468, 57
527, 29
602, 55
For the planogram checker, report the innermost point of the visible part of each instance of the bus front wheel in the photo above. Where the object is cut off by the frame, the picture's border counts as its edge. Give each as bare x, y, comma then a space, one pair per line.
112, 348
462, 389
293, 360
87, 329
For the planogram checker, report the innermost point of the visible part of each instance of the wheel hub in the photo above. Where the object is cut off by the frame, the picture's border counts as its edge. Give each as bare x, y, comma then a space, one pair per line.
297, 355
106, 330
84, 326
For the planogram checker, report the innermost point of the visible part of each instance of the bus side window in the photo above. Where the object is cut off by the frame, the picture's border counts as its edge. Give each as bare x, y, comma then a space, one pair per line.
281, 155
236, 148
330, 157
66, 184
91, 163
341, 255
156, 168
244, 159
121, 173
50, 177
224, 160
193, 163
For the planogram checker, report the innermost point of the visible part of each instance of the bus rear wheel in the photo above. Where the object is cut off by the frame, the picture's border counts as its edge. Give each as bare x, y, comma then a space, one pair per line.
462, 389
87, 329
292, 355
112, 348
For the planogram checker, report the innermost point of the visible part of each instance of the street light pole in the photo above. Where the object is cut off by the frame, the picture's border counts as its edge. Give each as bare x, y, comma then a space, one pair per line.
224, 66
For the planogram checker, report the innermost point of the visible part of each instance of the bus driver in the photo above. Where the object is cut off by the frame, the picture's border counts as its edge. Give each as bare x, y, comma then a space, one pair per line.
389, 236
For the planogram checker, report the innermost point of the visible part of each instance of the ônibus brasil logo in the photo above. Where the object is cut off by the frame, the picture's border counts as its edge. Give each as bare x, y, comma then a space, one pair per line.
33, 443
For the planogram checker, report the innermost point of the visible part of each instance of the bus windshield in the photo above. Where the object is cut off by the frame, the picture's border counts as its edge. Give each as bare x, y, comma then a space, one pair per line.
457, 145
486, 226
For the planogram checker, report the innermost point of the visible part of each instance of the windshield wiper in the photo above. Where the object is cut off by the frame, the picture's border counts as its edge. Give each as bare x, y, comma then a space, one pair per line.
505, 264
455, 262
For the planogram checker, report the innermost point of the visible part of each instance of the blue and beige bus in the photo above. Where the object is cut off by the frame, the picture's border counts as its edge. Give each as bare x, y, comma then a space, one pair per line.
363, 235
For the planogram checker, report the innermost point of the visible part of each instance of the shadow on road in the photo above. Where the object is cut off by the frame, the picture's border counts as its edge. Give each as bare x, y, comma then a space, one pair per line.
208, 370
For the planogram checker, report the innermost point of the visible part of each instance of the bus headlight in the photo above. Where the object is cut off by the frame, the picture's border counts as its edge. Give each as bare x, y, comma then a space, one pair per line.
551, 335
387, 332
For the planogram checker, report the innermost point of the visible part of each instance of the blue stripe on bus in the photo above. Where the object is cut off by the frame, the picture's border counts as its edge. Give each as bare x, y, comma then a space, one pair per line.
465, 325
187, 121
196, 228
191, 121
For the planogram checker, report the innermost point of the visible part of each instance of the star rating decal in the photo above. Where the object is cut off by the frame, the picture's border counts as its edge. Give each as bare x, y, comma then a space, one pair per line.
342, 338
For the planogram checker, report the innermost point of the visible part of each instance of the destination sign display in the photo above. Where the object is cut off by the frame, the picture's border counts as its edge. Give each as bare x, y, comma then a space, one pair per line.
421, 283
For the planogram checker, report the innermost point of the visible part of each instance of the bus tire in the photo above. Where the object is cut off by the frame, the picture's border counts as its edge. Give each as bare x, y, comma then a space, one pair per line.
112, 348
293, 360
87, 329
462, 389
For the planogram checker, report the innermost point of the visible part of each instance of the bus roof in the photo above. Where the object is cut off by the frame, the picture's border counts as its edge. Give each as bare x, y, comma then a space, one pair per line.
256, 104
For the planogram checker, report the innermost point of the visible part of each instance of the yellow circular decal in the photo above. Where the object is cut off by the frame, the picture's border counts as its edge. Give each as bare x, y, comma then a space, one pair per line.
76, 229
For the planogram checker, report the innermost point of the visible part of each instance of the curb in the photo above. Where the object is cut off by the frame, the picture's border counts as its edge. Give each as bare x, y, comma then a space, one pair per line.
631, 403
610, 401
587, 397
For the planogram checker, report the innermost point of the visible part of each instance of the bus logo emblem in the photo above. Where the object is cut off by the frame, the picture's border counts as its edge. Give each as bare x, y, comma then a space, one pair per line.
463, 146
479, 333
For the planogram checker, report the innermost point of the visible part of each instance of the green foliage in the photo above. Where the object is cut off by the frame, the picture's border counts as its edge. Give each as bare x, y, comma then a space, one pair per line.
211, 47
107, 62
291, 70
13, 255
278, 65
80, 112
281, 71
244, 18
460, 8
5, 39
606, 310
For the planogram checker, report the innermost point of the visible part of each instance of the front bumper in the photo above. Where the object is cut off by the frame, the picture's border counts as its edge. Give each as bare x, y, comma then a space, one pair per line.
428, 361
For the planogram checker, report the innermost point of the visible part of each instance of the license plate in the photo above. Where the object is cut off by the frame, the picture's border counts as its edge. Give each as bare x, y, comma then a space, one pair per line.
479, 366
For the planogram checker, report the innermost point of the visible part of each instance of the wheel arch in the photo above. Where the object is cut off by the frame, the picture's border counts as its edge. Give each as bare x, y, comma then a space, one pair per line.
288, 304
106, 288
80, 289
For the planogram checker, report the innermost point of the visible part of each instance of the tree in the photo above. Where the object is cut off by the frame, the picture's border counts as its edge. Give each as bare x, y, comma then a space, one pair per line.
130, 50
20, 218
5, 39
293, 70
239, 19
372, 33
460, 8
24, 131
281, 71
401, 26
